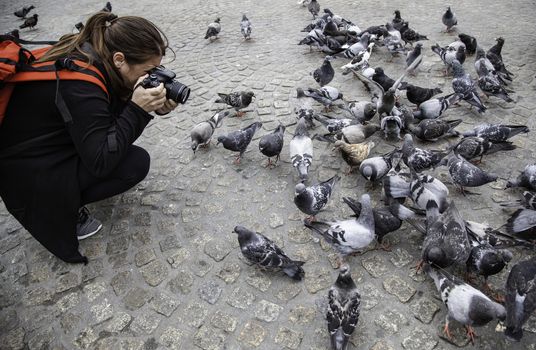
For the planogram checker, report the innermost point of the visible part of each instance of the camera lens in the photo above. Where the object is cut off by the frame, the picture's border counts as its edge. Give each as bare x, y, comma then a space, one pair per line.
177, 92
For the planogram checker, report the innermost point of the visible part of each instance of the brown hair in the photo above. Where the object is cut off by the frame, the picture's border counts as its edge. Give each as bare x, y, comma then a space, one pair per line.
137, 38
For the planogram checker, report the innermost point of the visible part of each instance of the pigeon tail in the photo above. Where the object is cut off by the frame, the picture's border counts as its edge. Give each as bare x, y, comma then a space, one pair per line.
295, 270
396, 187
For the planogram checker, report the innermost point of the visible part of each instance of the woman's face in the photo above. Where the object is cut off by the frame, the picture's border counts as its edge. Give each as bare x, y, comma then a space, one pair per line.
132, 72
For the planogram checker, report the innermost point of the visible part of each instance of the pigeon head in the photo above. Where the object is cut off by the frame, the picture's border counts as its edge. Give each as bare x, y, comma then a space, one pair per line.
397, 14
217, 20
328, 11
437, 91
369, 111
299, 189
418, 46
379, 71
500, 41
31, 7
367, 171
195, 145
345, 281
244, 18
480, 53
435, 256
221, 139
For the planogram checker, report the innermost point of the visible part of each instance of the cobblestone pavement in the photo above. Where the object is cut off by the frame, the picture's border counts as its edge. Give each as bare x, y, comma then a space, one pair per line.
166, 271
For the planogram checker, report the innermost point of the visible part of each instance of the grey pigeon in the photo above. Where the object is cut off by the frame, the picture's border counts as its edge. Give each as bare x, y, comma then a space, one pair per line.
30, 22
362, 111
360, 61
263, 252
522, 224
464, 85
418, 95
375, 168
526, 179
482, 65
357, 133
326, 95
311, 200
413, 55
446, 242
421, 190
491, 85
497, 132
201, 134
409, 35
325, 73
239, 140
486, 260
465, 174
397, 22
433, 129
465, 304
238, 100
245, 27
495, 57
352, 235
528, 201
23, 11
314, 8
435, 107
392, 41
469, 42
334, 125
391, 125
271, 144
449, 19
450, 54
344, 303
473, 146
420, 159
213, 29
357, 48
520, 297
301, 150
307, 114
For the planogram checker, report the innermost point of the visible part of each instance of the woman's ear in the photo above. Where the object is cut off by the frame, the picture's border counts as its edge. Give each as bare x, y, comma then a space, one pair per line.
119, 59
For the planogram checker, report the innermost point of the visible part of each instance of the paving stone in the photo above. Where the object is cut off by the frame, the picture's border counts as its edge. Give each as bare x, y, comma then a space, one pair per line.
170, 242
267, 311
154, 273
370, 296
302, 314
399, 288
144, 256
132, 344
66, 282
177, 257
194, 314
400, 257
145, 323
210, 292
382, 345
172, 338
318, 279
8, 319
259, 280
424, 309
299, 235
136, 298
164, 304
419, 340
119, 321
68, 301
288, 292
200, 267
223, 321
85, 338
229, 272
181, 283
240, 298
37, 296
375, 266
209, 339
13, 339
70, 321
252, 334
101, 312
121, 282
391, 321
217, 249
288, 338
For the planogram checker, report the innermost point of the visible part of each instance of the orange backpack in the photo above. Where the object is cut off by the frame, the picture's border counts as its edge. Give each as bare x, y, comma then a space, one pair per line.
17, 65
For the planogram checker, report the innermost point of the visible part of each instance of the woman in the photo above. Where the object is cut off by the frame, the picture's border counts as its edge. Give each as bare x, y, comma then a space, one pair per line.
64, 166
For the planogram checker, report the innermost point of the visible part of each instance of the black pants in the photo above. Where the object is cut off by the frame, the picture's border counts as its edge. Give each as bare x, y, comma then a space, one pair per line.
128, 173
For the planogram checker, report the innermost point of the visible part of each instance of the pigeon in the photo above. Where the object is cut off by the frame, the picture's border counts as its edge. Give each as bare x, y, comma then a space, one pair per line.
455, 45
393, 40
375, 168
30, 22
446, 242
334, 125
465, 304
360, 46
325, 73
359, 61
391, 125
271, 144
418, 95
528, 201
465, 174
463, 84
413, 54
326, 95
362, 111
520, 297
433, 129
307, 114
201, 134
397, 22
482, 65
213, 30
357, 133
495, 57
301, 150
474, 146
497, 132
492, 85
24, 11
449, 54
79, 26
449, 19
354, 154
107, 7
238, 100
314, 8
245, 27
311, 200
239, 140
522, 224
420, 159
344, 303
352, 235
421, 190
469, 42
409, 35
486, 260
13, 33
385, 81
263, 252
526, 179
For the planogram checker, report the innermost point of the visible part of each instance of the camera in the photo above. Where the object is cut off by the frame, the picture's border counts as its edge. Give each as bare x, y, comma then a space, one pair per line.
175, 90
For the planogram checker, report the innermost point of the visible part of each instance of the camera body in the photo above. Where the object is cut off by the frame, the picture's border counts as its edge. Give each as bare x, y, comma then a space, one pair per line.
175, 90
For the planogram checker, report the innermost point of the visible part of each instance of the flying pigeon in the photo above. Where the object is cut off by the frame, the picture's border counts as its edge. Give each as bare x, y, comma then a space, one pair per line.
465, 304
344, 303
311, 200
446, 242
420, 159
201, 134
239, 140
418, 95
473, 146
263, 252
497, 132
30, 22
435, 107
301, 150
245, 27
449, 19
325, 73
238, 100
213, 30
465, 174
433, 129
520, 297
463, 84
354, 154
271, 144
469, 42
375, 168
23, 11
526, 179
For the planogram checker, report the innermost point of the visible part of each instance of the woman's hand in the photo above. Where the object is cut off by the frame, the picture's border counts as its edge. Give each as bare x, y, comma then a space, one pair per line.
168, 107
149, 99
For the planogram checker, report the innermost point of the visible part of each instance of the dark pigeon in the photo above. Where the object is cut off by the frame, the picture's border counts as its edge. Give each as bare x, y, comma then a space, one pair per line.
433, 129
314, 8
420, 159
344, 303
107, 7
491, 85
325, 73
495, 57
397, 22
311, 200
409, 35
30, 22
526, 179
465, 174
520, 297
464, 85
497, 132
271, 144
486, 260
201, 134
449, 19
470, 43
24, 11
239, 140
522, 224
418, 95
474, 146
238, 100
261, 251
412, 56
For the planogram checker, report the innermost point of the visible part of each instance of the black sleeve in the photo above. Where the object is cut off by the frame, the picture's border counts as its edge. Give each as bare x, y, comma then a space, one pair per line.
93, 123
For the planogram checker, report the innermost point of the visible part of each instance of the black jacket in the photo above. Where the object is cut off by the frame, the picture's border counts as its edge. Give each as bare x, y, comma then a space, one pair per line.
39, 185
